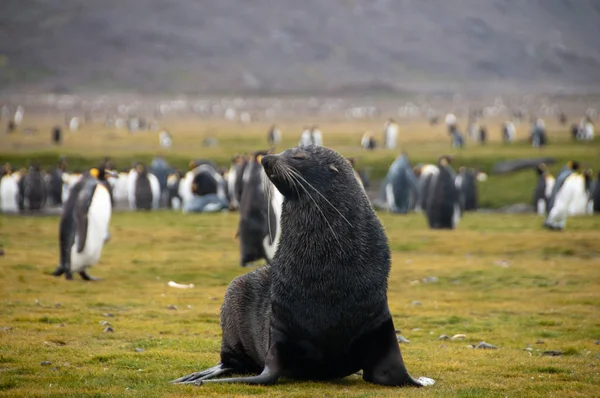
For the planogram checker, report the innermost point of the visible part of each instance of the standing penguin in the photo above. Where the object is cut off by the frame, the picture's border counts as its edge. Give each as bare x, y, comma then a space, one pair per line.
569, 185
543, 189
422, 173
173, 181
143, 189
32, 188
56, 135
260, 211
398, 185
84, 225
9, 190
443, 202
161, 169
305, 138
55, 183
581, 202
466, 183
274, 136
235, 183
596, 195
390, 134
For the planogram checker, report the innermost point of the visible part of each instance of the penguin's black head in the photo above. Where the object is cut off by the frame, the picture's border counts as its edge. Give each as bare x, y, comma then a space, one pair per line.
62, 163
445, 160
140, 168
541, 168
6, 169
575, 165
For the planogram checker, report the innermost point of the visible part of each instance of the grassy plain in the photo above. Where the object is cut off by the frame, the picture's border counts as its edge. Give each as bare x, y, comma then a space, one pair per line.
501, 279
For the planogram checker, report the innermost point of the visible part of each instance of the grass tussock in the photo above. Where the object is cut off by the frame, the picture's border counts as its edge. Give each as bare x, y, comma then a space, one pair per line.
500, 279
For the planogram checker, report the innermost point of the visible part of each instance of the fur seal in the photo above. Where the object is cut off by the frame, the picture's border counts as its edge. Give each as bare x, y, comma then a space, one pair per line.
319, 310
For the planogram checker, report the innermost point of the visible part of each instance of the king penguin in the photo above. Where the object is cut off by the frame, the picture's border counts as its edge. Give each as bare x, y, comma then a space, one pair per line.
9, 190
570, 184
543, 189
84, 224
443, 200
143, 189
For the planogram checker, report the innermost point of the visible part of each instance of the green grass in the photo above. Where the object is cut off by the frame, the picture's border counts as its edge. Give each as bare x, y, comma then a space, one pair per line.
543, 296
423, 143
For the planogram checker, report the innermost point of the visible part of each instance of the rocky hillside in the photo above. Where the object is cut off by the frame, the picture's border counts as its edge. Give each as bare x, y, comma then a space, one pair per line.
288, 46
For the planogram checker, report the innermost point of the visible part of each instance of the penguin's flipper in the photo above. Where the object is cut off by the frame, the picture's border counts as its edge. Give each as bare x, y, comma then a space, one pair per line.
81, 213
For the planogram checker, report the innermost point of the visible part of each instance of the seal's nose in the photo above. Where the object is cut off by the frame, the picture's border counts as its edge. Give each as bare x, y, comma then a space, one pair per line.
267, 162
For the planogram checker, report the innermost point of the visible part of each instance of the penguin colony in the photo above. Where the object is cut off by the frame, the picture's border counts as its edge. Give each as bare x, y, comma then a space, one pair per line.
436, 190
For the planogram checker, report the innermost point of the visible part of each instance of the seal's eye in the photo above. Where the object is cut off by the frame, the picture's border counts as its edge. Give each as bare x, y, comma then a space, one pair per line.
299, 155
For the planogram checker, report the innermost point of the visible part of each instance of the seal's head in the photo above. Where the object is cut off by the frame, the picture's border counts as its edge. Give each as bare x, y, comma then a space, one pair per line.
309, 173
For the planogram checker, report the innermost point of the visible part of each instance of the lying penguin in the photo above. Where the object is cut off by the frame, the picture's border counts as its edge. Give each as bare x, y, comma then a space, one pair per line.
84, 224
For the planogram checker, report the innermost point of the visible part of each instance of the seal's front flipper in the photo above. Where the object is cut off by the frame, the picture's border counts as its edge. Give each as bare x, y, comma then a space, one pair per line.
382, 360
209, 373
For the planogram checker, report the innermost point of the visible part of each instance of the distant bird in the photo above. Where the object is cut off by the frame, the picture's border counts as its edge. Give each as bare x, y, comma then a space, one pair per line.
305, 138
450, 122
457, 140
9, 189
368, 141
33, 189
543, 189
570, 184
390, 134
56, 135
165, 139
509, 131
443, 208
274, 136
482, 135
55, 183
538, 134
316, 136
562, 118
398, 185
143, 189
74, 124
19, 113
595, 196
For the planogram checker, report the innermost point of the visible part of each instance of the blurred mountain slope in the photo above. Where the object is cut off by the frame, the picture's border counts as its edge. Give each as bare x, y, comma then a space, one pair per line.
308, 46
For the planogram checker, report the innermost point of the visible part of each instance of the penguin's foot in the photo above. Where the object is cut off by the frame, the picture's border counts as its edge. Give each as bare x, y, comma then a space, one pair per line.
87, 277
552, 227
58, 271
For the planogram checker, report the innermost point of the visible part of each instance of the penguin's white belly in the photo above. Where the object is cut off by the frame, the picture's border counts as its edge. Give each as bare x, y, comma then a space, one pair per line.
99, 215
155, 187
277, 204
9, 190
121, 191
579, 204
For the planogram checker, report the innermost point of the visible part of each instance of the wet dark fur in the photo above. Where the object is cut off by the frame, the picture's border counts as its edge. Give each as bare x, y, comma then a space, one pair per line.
253, 225
319, 310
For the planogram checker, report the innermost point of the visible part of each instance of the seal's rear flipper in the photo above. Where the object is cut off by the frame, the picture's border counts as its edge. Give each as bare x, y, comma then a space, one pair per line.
382, 360
203, 375
267, 377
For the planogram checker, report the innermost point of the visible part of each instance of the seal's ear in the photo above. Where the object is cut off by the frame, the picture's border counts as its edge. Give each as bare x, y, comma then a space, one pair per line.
352, 161
333, 168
